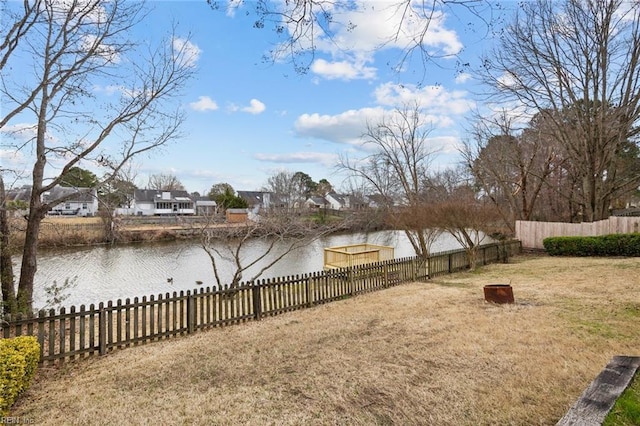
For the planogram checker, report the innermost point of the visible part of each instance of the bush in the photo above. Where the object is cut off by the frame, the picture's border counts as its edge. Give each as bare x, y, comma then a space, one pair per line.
19, 358
606, 245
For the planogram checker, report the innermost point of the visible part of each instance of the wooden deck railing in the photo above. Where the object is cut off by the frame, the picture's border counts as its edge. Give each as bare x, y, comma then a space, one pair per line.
78, 332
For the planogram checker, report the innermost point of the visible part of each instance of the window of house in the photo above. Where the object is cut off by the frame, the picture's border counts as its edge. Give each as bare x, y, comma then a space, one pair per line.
67, 206
84, 206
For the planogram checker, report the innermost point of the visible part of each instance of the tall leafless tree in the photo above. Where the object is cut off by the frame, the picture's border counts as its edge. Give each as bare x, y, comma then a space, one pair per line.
398, 169
72, 48
577, 63
512, 165
286, 189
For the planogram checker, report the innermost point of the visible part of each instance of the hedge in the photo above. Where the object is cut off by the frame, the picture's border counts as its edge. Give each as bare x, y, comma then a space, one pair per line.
19, 358
604, 245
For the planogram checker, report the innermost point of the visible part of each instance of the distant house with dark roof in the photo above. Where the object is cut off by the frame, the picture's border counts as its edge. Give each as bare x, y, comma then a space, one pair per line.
70, 201
155, 202
316, 203
18, 200
337, 201
256, 200
19, 194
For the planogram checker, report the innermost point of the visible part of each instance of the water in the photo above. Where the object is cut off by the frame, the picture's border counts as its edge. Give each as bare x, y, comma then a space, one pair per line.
106, 273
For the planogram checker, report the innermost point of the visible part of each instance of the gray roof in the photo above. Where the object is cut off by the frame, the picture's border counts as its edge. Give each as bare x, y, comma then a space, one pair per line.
151, 195
251, 197
318, 200
67, 193
19, 194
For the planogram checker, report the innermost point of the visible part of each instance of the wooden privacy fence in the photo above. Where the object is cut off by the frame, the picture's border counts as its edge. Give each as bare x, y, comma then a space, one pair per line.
531, 233
74, 333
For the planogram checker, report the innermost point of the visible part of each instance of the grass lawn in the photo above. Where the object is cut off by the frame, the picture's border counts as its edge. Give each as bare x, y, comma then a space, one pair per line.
431, 353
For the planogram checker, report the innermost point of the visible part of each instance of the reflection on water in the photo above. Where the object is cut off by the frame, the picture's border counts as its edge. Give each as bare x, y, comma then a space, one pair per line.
110, 273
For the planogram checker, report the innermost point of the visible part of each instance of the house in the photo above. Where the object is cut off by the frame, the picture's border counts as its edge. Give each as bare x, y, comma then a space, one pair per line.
75, 201
256, 200
17, 200
155, 202
379, 201
337, 201
316, 203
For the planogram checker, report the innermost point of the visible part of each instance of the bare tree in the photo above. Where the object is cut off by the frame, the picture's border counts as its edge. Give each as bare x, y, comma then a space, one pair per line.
397, 170
578, 64
466, 217
165, 182
289, 188
73, 48
511, 164
282, 233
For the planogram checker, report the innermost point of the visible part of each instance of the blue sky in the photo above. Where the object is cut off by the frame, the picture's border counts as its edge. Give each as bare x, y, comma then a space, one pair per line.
247, 119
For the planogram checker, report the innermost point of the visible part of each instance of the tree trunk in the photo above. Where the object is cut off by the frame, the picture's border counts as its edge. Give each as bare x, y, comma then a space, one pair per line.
6, 266
30, 255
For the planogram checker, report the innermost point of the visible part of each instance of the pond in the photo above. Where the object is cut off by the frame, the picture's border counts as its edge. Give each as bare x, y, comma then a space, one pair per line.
103, 273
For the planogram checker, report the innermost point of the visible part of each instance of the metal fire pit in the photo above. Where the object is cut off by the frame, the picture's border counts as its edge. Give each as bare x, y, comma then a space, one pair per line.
498, 293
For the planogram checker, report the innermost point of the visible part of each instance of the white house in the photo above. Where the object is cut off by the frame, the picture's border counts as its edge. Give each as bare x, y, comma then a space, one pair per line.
316, 203
75, 201
150, 202
337, 201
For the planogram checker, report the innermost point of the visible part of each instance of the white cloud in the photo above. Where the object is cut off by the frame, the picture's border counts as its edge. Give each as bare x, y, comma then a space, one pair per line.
463, 77
445, 144
432, 98
346, 127
11, 157
232, 6
204, 103
109, 54
255, 107
343, 70
185, 52
323, 158
360, 30
20, 131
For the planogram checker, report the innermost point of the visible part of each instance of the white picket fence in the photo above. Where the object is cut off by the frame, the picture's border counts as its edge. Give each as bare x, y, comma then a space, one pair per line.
531, 234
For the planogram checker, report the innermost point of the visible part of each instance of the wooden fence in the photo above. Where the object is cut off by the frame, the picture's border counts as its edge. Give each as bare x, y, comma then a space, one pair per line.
75, 333
531, 234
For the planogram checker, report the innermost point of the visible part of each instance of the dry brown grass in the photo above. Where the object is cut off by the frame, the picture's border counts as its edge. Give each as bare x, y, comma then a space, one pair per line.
425, 353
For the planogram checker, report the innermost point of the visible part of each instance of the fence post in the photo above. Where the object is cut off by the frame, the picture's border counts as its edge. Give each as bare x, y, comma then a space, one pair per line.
386, 274
414, 270
350, 280
102, 330
307, 291
449, 262
257, 305
190, 313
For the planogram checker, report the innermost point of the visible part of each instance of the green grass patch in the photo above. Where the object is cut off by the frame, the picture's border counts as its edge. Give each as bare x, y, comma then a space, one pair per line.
626, 411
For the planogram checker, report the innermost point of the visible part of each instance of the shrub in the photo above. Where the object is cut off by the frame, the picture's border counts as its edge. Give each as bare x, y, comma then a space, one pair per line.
19, 358
605, 245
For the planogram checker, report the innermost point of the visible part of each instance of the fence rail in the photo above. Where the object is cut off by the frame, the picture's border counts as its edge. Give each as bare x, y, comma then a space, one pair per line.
74, 333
